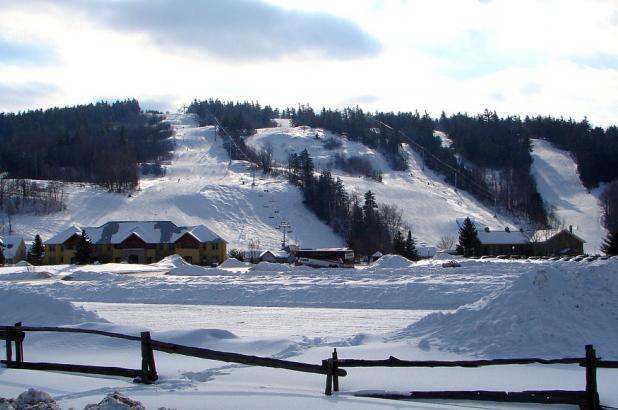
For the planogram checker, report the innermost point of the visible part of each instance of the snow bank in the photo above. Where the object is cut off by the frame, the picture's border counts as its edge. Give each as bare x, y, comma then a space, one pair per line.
233, 263
81, 275
25, 275
36, 309
177, 266
552, 311
392, 262
272, 267
193, 270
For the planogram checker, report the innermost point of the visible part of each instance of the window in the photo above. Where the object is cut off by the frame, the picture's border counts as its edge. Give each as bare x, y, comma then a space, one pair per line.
215, 246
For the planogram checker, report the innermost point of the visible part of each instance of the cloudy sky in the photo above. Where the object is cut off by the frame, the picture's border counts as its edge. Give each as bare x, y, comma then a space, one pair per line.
557, 57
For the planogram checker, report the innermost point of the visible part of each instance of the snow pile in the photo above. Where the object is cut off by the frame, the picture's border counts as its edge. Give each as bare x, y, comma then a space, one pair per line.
177, 266
233, 263
23, 263
34, 309
552, 311
192, 270
31, 399
392, 262
272, 267
171, 262
81, 275
25, 275
116, 401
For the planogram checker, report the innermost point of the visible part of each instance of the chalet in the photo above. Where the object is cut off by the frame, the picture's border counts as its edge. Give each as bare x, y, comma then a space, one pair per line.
494, 242
139, 242
511, 241
13, 249
556, 242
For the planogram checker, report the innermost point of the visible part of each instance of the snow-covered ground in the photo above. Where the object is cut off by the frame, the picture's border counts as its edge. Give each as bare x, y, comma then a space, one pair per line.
429, 205
510, 308
558, 181
200, 187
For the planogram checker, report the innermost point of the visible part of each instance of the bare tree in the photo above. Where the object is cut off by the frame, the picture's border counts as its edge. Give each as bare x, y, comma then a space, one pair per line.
392, 217
609, 202
254, 248
446, 242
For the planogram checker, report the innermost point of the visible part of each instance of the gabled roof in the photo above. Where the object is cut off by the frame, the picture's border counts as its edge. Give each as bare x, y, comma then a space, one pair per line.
152, 232
544, 235
10, 245
489, 236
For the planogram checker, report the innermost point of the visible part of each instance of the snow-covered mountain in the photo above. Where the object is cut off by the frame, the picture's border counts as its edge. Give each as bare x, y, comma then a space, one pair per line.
202, 186
430, 206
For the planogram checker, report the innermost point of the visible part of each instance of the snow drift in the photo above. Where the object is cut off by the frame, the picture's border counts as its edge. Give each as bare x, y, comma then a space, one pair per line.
36, 309
552, 311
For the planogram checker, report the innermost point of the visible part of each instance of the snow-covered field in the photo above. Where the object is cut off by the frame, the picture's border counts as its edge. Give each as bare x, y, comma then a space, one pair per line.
558, 182
503, 309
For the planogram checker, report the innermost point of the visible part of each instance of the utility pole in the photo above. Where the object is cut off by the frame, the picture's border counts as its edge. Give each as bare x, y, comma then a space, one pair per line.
230, 163
283, 226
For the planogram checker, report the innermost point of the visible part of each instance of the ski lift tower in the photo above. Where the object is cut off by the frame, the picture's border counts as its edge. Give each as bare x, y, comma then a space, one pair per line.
284, 228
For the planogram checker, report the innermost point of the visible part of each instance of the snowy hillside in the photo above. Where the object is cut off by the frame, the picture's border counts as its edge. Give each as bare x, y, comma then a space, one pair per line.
200, 187
430, 206
558, 182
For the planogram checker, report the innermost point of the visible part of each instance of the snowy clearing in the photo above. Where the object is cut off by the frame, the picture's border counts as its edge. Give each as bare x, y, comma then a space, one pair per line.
558, 181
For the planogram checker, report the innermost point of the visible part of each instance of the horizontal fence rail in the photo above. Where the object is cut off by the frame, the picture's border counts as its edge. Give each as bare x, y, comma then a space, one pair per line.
331, 367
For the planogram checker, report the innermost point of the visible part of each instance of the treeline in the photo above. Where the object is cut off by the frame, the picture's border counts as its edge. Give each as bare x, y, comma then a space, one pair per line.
496, 156
356, 125
497, 160
595, 149
367, 226
101, 143
22, 195
240, 119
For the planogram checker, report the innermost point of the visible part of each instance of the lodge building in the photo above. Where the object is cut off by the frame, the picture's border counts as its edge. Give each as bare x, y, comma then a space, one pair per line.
139, 242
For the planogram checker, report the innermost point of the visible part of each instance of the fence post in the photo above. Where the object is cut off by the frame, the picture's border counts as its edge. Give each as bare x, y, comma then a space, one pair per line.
9, 347
335, 368
19, 344
149, 371
328, 363
592, 396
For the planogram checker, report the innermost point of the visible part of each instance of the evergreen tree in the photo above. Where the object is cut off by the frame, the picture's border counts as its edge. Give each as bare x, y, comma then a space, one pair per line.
410, 248
35, 255
399, 244
236, 254
83, 249
610, 246
468, 239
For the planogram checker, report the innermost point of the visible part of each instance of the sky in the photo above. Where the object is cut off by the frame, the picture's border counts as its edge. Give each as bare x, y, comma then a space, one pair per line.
548, 57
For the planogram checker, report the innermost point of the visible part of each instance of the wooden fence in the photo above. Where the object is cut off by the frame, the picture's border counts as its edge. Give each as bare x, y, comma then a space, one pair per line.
15, 335
331, 367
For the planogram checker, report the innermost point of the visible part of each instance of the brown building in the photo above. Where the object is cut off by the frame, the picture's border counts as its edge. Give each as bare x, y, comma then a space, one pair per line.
554, 242
139, 242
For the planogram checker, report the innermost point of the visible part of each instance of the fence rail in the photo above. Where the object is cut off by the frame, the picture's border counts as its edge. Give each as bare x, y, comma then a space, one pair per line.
331, 367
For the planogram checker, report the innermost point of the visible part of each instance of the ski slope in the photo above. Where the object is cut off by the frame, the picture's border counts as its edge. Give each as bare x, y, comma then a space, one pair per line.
558, 182
201, 186
430, 206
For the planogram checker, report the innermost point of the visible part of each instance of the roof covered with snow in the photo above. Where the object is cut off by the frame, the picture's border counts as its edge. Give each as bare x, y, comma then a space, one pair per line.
497, 236
10, 245
115, 232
